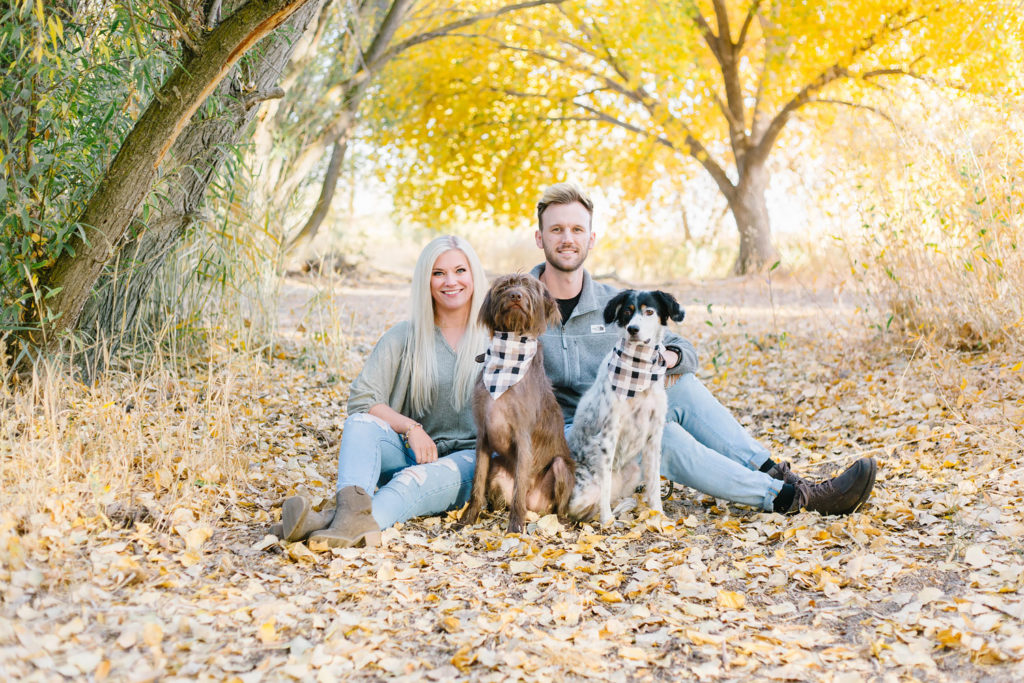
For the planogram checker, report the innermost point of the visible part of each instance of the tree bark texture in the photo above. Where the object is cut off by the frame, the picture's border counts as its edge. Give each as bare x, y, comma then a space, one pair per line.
750, 211
196, 157
131, 175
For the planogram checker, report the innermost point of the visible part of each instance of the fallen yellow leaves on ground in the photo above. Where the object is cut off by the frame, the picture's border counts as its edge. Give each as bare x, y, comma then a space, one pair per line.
173, 576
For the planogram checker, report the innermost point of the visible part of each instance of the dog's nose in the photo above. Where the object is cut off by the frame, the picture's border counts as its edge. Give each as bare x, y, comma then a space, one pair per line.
633, 329
515, 296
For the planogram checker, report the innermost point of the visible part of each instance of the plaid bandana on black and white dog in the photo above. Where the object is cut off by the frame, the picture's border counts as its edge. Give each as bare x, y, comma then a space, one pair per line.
506, 362
632, 367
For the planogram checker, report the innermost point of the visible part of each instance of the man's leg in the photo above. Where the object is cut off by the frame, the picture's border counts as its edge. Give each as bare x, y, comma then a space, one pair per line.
687, 461
701, 435
692, 406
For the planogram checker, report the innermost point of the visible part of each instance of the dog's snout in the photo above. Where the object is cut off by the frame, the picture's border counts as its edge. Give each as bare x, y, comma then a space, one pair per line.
515, 295
633, 330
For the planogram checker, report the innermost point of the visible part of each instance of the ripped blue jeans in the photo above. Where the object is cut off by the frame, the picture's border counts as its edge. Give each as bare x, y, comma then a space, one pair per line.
373, 455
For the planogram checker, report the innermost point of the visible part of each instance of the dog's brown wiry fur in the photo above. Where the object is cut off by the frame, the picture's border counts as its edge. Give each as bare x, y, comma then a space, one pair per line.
533, 469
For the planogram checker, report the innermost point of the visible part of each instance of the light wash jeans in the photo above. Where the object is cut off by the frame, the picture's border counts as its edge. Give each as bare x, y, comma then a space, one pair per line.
704, 447
372, 454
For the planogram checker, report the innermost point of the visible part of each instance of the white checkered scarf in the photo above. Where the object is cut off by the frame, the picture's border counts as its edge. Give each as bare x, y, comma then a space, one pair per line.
633, 366
506, 361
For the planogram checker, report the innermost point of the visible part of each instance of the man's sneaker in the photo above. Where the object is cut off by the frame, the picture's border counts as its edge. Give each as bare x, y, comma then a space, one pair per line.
839, 495
784, 473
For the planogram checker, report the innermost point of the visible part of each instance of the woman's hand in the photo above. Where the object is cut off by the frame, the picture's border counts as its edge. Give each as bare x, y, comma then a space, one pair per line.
422, 445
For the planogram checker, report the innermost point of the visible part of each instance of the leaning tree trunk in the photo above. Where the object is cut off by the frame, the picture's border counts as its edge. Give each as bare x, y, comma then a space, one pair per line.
323, 203
750, 211
114, 205
196, 158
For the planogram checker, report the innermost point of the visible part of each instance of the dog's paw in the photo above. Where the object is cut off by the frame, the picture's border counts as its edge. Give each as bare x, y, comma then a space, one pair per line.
627, 504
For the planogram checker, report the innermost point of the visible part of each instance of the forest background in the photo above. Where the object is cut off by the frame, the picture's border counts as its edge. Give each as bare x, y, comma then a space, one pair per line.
210, 211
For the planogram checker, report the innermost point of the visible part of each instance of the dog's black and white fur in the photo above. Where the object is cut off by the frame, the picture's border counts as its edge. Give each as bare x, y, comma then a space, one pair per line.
611, 428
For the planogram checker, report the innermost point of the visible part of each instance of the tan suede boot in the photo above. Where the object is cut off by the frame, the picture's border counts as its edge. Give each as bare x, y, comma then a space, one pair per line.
353, 522
299, 519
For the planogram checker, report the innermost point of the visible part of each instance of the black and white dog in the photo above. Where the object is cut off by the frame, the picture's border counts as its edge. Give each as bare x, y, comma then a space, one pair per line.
622, 414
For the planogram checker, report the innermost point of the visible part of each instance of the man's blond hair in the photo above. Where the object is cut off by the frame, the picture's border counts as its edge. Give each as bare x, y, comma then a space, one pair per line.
563, 193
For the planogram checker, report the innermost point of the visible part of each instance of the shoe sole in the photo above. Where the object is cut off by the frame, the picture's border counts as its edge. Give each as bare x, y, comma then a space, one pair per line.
370, 539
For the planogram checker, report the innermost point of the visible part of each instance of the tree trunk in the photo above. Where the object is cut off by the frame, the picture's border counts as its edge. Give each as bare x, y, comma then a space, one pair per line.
197, 156
750, 211
323, 204
131, 175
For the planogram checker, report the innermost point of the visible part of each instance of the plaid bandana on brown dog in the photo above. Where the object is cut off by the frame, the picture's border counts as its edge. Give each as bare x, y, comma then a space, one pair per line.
506, 362
633, 367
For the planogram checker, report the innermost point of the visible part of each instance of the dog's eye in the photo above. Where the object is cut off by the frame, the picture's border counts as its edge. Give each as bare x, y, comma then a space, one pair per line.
648, 311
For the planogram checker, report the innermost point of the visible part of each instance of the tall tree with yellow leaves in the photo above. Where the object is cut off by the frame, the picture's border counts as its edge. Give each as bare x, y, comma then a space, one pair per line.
635, 92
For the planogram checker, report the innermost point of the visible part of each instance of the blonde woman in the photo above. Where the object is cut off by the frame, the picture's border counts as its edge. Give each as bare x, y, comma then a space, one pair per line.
410, 428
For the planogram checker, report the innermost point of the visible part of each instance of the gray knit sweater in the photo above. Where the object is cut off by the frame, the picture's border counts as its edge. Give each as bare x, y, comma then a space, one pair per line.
385, 379
573, 351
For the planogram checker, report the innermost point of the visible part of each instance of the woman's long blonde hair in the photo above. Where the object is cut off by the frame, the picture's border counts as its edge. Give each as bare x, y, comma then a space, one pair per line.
420, 349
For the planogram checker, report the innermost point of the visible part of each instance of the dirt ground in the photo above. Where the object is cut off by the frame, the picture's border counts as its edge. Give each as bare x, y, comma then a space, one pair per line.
923, 583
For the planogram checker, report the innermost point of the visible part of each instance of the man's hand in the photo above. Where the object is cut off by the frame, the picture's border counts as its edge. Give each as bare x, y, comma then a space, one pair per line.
671, 358
422, 445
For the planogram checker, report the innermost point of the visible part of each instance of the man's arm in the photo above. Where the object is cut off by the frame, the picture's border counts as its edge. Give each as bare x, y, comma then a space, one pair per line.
680, 355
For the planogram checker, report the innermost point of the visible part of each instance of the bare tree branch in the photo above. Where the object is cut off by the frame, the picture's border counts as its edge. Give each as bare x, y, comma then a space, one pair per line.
855, 105
461, 23
722, 16
751, 13
709, 35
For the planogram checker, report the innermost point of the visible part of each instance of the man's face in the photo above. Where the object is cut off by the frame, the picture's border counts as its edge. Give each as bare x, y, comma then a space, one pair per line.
565, 236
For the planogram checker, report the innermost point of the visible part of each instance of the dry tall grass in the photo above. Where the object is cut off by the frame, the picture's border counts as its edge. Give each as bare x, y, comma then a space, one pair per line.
153, 435
941, 246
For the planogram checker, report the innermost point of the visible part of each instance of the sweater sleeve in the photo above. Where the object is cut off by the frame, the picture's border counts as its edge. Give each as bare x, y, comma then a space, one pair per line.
381, 373
688, 361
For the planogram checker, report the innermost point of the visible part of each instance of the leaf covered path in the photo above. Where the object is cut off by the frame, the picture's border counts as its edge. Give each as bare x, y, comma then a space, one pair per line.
923, 583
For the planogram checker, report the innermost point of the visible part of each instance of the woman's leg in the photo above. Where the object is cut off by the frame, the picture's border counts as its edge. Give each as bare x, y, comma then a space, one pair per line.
373, 454
425, 489
370, 451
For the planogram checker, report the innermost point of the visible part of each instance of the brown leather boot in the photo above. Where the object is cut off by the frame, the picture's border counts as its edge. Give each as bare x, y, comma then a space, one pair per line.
299, 519
353, 522
839, 495
784, 473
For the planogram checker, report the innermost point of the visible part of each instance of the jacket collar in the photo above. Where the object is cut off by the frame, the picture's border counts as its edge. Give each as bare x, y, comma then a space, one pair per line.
588, 298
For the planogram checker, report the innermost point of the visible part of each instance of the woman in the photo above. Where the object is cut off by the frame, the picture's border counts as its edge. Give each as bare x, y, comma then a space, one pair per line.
410, 426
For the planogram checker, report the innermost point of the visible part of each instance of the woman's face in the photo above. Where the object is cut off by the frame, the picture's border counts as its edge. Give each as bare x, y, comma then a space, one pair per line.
451, 282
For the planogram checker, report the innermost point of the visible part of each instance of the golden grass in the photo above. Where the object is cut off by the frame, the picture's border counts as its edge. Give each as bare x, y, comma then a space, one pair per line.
940, 245
161, 431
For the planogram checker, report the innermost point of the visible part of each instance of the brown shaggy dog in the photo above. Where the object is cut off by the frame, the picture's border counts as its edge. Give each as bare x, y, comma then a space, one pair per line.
532, 468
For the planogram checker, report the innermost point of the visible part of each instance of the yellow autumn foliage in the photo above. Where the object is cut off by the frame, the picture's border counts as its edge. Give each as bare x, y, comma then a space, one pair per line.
633, 95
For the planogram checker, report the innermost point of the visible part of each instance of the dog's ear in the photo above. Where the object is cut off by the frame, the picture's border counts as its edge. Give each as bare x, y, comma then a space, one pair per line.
668, 307
611, 309
552, 315
486, 315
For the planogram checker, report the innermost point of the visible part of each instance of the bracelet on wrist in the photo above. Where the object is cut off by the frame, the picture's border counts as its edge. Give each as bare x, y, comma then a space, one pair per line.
405, 436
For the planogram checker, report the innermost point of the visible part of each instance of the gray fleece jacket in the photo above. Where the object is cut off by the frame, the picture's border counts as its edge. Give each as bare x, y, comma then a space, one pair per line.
574, 350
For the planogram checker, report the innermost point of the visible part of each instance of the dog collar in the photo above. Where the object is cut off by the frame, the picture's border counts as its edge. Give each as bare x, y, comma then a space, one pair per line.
633, 367
506, 362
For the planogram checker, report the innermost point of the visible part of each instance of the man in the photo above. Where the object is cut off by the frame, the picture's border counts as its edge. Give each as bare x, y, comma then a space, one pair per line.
703, 446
